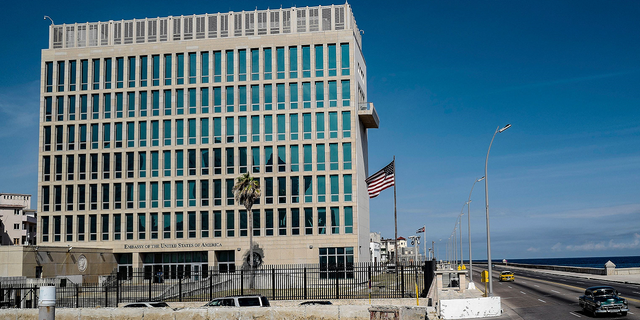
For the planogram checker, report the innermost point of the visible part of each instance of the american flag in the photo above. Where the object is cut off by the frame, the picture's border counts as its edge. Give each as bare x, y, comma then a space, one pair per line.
381, 180
420, 230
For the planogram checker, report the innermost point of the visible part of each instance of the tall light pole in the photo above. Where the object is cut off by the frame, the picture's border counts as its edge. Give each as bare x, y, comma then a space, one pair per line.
460, 217
469, 226
486, 201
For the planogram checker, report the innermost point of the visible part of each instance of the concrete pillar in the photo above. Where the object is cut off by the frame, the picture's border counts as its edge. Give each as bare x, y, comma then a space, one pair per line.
610, 268
463, 283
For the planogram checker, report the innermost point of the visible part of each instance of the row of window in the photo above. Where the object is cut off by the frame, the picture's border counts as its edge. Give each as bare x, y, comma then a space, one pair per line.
198, 131
256, 64
192, 193
197, 224
198, 101
193, 162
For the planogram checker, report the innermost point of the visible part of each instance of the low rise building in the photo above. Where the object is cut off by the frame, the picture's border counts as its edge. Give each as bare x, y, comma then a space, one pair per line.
18, 220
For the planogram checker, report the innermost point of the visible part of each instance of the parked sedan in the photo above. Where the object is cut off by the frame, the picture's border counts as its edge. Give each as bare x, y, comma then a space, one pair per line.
159, 304
239, 301
603, 300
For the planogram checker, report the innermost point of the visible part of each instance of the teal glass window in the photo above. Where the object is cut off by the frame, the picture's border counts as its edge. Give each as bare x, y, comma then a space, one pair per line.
192, 67
120, 72
293, 95
333, 94
94, 136
155, 70
72, 107
293, 126
166, 159
268, 128
335, 220
166, 194
179, 101
142, 164
167, 69
83, 106
282, 222
347, 185
230, 71
268, 97
306, 126
96, 74
320, 125
348, 220
320, 157
179, 225
179, 163
242, 128
319, 94
142, 195
255, 128
293, 62
308, 221
280, 95
346, 124
230, 99
180, 68
319, 60
333, 156
268, 222
48, 109
321, 188
95, 106
230, 160
333, 125
72, 75
282, 189
204, 97
192, 131
155, 140
255, 159
344, 58
331, 48
280, 63
346, 154
166, 225
308, 162
295, 158
132, 72
306, 95
217, 66
192, 100
346, 93
106, 135
49, 76
217, 224
155, 103
179, 194
255, 64
167, 102
192, 193
268, 159
204, 130
230, 223
295, 189
217, 130
256, 222
142, 226
230, 132
282, 158
154, 194
154, 163
322, 221
154, 225
306, 61
242, 155
255, 98
129, 226
131, 104
335, 189
179, 132
217, 99
267, 64
107, 73
242, 98
308, 189
84, 74
191, 222
242, 65
143, 103
280, 119
204, 66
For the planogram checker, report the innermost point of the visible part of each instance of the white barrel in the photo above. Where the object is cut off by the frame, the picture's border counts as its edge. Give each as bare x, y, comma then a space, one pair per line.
47, 296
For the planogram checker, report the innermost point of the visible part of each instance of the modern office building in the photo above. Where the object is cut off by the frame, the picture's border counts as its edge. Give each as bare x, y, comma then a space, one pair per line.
146, 123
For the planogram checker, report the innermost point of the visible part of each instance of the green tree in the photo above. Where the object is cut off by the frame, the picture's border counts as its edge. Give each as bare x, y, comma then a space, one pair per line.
247, 191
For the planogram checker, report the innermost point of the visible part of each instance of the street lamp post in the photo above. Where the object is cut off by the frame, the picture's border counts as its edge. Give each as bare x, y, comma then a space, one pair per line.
486, 201
469, 227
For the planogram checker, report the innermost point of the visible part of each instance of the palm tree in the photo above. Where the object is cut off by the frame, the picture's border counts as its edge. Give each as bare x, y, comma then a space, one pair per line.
247, 191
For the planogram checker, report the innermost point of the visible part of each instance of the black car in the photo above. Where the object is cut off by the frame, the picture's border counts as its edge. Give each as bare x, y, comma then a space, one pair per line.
159, 304
603, 300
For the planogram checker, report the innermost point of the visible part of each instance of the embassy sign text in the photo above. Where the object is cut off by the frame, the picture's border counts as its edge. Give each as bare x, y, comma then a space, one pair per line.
173, 245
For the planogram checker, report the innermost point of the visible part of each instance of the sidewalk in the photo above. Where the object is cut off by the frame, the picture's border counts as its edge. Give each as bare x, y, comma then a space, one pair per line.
632, 279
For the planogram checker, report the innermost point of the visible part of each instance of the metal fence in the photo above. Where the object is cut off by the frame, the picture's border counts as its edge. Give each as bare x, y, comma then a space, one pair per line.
277, 282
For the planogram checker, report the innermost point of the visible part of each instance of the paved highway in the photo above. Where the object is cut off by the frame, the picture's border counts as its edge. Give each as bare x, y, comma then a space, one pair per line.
542, 296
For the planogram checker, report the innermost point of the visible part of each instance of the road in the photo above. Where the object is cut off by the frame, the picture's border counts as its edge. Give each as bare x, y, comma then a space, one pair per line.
542, 296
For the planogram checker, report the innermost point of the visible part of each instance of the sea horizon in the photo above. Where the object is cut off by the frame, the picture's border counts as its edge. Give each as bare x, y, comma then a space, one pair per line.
585, 262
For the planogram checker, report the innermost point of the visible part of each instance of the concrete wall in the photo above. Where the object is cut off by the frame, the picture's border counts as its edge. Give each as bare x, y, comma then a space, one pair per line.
355, 312
600, 271
470, 308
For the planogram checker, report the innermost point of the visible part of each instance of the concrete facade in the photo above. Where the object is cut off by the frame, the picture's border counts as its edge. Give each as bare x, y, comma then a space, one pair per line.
146, 123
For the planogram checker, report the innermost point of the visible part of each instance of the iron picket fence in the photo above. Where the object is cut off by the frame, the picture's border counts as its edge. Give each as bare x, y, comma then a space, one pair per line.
276, 282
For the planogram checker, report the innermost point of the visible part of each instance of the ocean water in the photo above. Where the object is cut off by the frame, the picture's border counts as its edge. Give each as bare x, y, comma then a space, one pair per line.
591, 262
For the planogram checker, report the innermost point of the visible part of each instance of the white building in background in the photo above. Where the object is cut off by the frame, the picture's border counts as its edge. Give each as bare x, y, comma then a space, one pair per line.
18, 219
374, 247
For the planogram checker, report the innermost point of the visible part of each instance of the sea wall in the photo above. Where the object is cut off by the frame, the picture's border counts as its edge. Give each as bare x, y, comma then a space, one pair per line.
598, 271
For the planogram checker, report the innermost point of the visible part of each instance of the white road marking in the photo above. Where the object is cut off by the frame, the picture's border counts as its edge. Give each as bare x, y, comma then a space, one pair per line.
542, 301
509, 287
536, 285
523, 292
574, 314
630, 312
636, 292
555, 291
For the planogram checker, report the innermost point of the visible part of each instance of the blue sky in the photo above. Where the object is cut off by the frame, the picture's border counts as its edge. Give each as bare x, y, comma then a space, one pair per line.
564, 181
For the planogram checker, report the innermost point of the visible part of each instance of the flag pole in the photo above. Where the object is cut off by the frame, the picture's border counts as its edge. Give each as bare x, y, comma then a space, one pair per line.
425, 242
395, 213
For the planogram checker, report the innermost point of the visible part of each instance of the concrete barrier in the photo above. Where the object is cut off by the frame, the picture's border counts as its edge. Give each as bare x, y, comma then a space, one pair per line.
325, 312
470, 308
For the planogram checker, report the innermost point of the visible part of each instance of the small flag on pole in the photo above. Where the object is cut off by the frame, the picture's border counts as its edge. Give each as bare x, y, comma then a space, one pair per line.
381, 180
420, 230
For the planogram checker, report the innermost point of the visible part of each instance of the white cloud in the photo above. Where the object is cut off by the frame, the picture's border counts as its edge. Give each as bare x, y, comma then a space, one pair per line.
532, 249
633, 243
